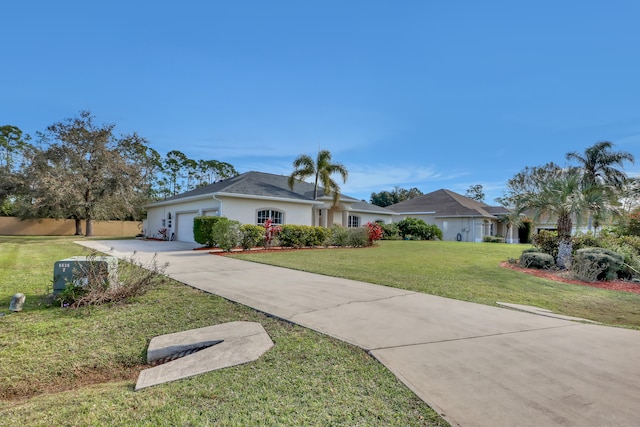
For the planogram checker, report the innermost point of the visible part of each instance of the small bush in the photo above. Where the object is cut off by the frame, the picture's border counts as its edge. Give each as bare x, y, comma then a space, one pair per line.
358, 237
203, 229
318, 236
493, 239
417, 229
533, 249
299, 236
588, 240
602, 263
537, 260
339, 236
252, 235
374, 233
226, 233
390, 232
547, 242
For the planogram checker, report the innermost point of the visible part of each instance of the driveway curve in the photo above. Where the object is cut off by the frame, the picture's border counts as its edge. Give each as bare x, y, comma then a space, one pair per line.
476, 365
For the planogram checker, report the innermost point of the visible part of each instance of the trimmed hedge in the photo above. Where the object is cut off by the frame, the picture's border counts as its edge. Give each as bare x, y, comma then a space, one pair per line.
299, 236
252, 236
536, 260
203, 229
493, 239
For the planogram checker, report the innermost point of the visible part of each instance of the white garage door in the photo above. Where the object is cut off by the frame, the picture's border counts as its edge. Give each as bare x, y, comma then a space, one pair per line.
184, 227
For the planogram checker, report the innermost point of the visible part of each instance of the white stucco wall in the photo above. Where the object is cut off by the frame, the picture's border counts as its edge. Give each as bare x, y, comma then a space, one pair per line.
470, 229
245, 210
366, 217
156, 214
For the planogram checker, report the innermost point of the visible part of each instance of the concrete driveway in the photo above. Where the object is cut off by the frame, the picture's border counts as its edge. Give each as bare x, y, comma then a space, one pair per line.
476, 365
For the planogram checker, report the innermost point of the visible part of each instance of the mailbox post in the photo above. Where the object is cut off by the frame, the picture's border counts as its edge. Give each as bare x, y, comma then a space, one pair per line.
79, 269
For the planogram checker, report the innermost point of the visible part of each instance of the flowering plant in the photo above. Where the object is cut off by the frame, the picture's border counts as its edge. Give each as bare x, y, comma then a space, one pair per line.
270, 232
374, 232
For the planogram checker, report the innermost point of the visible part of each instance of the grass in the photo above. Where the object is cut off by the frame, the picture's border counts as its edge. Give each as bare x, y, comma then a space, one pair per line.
464, 271
78, 367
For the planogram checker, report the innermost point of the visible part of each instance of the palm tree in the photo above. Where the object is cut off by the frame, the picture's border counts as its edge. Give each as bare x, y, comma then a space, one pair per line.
566, 198
598, 166
322, 168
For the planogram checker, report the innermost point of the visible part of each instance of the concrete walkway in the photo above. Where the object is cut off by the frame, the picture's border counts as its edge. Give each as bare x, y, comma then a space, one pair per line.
476, 365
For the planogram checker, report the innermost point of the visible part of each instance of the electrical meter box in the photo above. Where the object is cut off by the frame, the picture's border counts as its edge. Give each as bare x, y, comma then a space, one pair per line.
79, 270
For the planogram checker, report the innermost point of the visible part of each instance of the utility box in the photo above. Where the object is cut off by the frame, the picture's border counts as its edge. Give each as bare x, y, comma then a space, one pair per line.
80, 269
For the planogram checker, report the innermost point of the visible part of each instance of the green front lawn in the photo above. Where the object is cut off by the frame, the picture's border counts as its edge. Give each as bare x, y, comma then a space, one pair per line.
465, 271
78, 367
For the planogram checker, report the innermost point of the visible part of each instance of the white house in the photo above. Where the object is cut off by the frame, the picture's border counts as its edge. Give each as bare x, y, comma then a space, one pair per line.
460, 218
252, 198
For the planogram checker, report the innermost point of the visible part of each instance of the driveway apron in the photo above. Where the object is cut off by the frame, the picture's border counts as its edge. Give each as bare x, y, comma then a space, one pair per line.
476, 365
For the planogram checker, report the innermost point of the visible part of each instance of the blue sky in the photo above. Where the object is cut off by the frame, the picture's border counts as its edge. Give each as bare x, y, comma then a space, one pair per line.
413, 93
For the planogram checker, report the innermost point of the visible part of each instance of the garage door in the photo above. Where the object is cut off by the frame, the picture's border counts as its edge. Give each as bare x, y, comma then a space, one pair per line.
184, 227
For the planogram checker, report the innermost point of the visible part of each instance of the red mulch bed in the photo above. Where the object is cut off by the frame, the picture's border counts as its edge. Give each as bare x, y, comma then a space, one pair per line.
614, 285
261, 250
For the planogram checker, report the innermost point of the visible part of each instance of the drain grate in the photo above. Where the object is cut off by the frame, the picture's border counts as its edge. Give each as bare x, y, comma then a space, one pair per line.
184, 352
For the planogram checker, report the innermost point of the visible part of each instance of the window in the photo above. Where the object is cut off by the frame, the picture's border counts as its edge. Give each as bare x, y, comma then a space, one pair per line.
265, 214
354, 221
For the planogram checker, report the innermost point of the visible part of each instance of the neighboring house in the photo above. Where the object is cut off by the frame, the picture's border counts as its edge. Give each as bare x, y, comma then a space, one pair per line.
252, 198
550, 223
460, 218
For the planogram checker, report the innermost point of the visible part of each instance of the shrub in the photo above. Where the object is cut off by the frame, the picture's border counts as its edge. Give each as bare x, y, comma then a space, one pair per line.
493, 239
374, 232
203, 229
357, 237
226, 233
320, 236
271, 232
252, 235
528, 250
339, 236
602, 263
587, 240
390, 231
133, 279
547, 242
291, 236
537, 260
630, 224
298, 236
431, 232
418, 229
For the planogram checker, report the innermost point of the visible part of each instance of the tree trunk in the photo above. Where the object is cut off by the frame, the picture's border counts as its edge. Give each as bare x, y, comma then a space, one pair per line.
565, 225
89, 227
78, 227
565, 248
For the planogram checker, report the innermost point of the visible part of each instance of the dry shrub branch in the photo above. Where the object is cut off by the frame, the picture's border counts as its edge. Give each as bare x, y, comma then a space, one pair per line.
94, 285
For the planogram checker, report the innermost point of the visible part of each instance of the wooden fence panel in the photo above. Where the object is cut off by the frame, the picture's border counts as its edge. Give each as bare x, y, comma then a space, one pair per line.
11, 226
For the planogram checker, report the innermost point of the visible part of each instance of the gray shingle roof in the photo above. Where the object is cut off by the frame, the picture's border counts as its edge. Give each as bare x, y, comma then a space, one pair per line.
446, 203
258, 184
